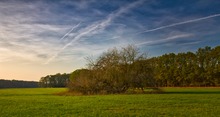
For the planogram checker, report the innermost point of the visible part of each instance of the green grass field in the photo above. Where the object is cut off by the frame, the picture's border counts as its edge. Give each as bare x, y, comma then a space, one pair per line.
187, 102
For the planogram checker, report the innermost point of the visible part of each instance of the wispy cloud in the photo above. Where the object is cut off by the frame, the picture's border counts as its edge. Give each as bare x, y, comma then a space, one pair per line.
97, 26
180, 23
26, 43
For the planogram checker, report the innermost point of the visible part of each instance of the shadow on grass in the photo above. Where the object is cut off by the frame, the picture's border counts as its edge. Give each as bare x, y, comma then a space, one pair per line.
149, 91
193, 92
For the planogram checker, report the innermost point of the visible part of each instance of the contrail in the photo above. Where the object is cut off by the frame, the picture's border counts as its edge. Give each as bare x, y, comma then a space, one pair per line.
164, 40
99, 25
70, 31
180, 23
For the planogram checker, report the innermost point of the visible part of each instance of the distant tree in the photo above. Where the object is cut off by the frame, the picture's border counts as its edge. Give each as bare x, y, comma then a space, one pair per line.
17, 84
57, 80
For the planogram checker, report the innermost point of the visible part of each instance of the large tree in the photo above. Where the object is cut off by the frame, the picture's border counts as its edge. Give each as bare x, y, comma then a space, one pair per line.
115, 71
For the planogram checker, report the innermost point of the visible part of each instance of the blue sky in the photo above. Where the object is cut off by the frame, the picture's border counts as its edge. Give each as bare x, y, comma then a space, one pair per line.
41, 37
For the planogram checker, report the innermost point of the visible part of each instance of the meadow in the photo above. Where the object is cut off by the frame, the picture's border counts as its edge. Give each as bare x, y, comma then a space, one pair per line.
186, 102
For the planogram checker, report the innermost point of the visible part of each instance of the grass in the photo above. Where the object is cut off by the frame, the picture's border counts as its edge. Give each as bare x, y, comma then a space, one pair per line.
186, 102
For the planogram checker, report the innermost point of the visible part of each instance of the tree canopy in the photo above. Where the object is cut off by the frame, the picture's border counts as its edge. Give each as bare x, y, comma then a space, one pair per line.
201, 68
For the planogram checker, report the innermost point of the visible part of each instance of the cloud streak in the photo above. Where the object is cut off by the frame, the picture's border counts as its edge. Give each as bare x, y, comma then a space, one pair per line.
74, 27
95, 27
180, 23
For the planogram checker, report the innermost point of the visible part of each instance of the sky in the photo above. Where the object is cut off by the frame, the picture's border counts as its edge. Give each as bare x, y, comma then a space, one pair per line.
43, 37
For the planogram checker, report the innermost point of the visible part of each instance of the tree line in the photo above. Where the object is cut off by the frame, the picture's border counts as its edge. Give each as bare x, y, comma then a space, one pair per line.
57, 80
17, 84
201, 68
118, 70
